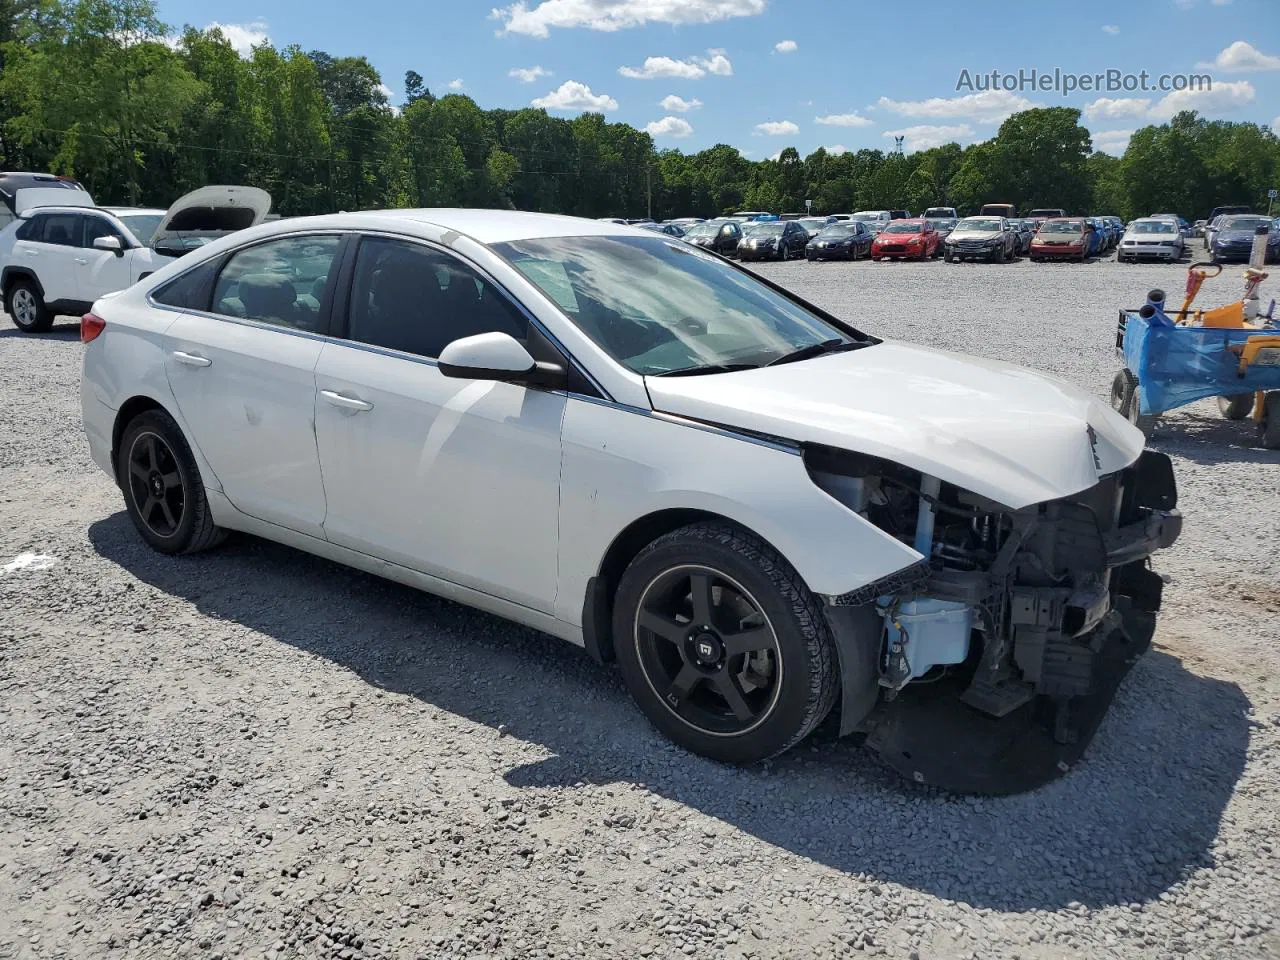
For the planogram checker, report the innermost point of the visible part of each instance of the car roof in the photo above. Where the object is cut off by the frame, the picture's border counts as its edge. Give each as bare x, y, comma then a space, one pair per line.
483, 226
69, 208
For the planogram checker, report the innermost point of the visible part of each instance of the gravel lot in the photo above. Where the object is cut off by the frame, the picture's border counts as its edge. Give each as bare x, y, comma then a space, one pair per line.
255, 753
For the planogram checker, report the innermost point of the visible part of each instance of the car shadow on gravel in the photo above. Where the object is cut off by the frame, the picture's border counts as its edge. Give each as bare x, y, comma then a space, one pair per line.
1139, 813
59, 332
1211, 439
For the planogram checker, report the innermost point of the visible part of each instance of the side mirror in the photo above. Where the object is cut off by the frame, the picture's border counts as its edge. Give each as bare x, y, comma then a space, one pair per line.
495, 356
109, 243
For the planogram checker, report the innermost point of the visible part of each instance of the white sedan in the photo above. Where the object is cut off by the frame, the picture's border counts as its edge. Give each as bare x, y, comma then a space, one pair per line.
630, 443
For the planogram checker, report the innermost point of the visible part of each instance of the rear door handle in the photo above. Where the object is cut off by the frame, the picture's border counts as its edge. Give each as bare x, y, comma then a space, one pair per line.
81, 260
191, 359
346, 403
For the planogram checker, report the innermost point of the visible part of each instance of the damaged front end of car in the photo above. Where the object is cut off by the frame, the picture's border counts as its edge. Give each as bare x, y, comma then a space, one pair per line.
987, 666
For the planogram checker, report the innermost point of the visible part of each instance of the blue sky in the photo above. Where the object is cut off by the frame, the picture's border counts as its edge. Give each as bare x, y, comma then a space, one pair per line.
765, 74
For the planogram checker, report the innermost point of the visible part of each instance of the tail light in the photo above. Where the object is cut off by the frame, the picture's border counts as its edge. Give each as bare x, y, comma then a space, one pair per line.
90, 326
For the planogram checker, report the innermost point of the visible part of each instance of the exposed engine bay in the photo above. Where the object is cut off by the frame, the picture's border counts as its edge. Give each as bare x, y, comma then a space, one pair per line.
996, 655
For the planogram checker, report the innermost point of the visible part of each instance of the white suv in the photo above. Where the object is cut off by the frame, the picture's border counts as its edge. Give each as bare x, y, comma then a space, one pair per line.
60, 259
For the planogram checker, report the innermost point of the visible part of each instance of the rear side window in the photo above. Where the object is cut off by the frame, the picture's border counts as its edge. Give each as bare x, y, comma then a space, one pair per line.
191, 290
281, 282
31, 229
61, 229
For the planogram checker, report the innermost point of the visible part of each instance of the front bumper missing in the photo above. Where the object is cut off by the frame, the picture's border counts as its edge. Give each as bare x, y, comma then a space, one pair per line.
931, 737
1055, 645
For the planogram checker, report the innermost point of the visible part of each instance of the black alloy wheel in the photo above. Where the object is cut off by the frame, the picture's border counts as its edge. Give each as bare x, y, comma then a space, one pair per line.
707, 650
155, 484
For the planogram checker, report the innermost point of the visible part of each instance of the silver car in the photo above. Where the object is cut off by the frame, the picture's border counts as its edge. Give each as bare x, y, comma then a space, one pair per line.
1151, 238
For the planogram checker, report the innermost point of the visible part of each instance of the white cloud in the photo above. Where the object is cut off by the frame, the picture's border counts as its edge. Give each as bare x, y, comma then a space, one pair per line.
1223, 98
1110, 28
693, 68
718, 64
572, 95
1121, 108
775, 157
664, 67
676, 127
785, 46
679, 104
455, 84
1241, 57
990, 106
836, 149
854, 119
1275, 126
777, 128
924, 136
609, 15
528, 74
1113, 142
243, 36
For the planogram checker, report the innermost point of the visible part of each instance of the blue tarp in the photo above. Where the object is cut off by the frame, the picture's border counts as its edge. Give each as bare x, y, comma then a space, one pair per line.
1179, 365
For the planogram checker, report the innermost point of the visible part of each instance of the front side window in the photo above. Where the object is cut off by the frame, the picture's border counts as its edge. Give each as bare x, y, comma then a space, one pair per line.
95, 227
281, 282
661, 307
410, 297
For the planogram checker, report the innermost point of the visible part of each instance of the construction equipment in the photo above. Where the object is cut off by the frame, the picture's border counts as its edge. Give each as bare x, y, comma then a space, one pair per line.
1174, 358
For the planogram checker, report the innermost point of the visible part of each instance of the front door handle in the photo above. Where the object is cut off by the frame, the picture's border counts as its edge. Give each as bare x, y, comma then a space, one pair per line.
81, 260
346, 403
191, 359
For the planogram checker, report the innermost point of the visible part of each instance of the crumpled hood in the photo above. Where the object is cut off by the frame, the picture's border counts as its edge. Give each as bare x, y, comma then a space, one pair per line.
1007, 433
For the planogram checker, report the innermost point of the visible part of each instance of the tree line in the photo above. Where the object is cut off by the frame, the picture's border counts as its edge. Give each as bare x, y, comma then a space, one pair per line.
100, 90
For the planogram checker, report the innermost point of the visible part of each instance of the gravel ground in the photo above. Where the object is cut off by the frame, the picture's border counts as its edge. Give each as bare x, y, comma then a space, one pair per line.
255, 753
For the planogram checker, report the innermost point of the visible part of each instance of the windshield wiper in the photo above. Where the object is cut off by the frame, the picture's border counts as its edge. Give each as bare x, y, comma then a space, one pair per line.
709, 368
835, 345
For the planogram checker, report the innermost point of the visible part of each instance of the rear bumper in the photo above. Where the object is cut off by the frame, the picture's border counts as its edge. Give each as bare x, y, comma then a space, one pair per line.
99, 422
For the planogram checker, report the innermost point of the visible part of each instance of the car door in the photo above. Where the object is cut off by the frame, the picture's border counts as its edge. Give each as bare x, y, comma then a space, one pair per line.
103, 271
243, 374
50, 250
459, 479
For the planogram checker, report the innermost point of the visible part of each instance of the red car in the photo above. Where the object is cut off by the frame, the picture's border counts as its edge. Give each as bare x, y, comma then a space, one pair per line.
911, 239
1061, 238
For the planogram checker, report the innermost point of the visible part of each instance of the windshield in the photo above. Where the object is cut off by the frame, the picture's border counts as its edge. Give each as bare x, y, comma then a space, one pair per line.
769, 228
839, 231
704, 230
871, 215
1061, 226
945, 223
978, 223
142, 225
901, 227
813, 225
1153, 226
1246, 223
658, 306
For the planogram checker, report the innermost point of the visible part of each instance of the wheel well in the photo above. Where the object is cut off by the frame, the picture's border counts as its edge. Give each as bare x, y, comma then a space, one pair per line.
14, 273
597, 612
128, 410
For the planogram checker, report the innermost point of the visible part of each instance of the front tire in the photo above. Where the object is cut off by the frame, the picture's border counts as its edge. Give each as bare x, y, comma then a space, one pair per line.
1126, 400
163, 492
1237, 407
722, 646
26, 308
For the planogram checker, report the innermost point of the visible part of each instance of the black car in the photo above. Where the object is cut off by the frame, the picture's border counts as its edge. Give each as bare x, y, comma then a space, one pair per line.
721, 236
669, 229
1234, 239
843, 240
773, 240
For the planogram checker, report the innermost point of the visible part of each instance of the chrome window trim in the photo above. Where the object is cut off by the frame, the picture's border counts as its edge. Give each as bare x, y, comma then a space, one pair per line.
359, 233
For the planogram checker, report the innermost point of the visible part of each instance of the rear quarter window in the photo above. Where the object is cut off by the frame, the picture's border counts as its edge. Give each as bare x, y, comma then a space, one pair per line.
191, 290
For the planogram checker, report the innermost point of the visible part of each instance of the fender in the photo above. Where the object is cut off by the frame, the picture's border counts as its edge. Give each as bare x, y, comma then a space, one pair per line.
12, 273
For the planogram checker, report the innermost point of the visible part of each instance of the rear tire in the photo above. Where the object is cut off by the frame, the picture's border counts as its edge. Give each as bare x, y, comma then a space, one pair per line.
1237, 407
1270, 425
753, 680
1126, 400
163, 492
26, 308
